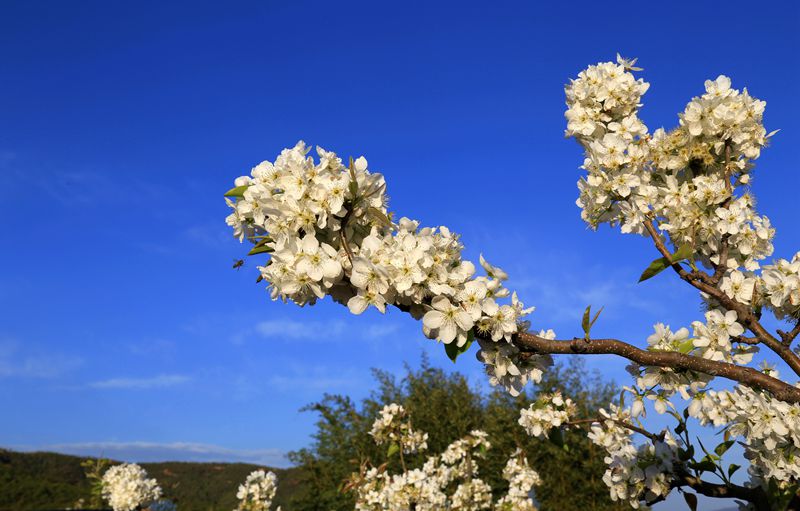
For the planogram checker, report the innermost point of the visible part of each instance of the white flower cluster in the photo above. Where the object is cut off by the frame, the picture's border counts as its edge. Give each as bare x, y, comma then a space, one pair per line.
713, 338
547, 412
681, 179
780, 286
126, 487
724, 114
770, 429
446, 481
506, 367
393, 427
634, 473
426, 488
257, 491
328, 231
669, 381
521, 480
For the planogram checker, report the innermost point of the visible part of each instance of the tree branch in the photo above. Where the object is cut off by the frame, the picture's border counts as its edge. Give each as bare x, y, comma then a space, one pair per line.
627, 425
669, 359
789, 336
754, 495
744, 313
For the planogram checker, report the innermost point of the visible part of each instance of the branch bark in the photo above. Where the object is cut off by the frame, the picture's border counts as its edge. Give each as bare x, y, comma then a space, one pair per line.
669, 359
755, 495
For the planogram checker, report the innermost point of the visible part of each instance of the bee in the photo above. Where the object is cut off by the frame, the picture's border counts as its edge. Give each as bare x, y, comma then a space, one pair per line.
238, 263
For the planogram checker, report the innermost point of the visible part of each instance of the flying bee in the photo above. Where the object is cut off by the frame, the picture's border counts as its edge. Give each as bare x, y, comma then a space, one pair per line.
238, 263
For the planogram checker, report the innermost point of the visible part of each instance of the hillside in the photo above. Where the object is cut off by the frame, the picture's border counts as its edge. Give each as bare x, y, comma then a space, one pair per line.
46, 481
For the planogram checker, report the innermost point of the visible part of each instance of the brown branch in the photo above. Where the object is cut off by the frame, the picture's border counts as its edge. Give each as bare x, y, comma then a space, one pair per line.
754, 495
627, 425
667, 359
790, 336
722, 264
745, 340
744, 313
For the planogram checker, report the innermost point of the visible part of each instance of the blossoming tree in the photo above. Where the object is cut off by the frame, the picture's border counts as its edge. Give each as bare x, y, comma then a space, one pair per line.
446, 481
324, 229
126, 487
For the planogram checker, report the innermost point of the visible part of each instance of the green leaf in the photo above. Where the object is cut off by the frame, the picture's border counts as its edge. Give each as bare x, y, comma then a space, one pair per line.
585, 323
393, 449
733, 468
378, 215
237, 192
655, 268
683, 252
259, 250
686, 346
680, 428
706, 465
353, 181
264, 241
723, 447
556, 436
691, 500
662, 263
453, 350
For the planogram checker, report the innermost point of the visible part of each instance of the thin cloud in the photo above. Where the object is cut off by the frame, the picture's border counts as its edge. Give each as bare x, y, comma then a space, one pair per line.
32, 363
292, 329
143, 452
160, 381
380, 331
316, 379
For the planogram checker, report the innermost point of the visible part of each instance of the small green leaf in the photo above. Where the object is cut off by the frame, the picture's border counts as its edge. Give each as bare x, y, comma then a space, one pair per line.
263, 241
585, 323
393, 449
733, 468
686, 346
691, 500
378, 215
597, 315
684, 252
706, 465
662, 263
556, 436
260, 250
237, 192
453, 350
353, 181
680, 428
723, 447
655, 268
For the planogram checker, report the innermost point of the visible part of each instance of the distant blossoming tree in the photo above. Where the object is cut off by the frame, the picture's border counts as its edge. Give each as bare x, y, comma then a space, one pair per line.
327, 230
126, 487
446, 481
257, 491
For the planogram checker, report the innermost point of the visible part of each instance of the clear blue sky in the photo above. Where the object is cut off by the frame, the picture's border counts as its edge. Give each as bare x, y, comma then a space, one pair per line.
123, 327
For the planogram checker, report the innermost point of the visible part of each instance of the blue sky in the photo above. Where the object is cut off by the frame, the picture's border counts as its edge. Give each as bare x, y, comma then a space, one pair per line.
123, 328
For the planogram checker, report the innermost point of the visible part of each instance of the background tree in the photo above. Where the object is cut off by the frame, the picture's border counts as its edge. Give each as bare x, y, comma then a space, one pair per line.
447, 407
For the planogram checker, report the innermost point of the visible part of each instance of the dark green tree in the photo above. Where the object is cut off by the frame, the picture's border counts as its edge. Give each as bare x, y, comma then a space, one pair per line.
447, 407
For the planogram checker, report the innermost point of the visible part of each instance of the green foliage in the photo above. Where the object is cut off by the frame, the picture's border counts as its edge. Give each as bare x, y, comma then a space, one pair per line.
662, 263
43, 480
447, 408
453, 350
94, 468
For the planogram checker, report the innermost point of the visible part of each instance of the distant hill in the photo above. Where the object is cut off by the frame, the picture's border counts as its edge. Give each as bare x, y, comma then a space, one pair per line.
39, 481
